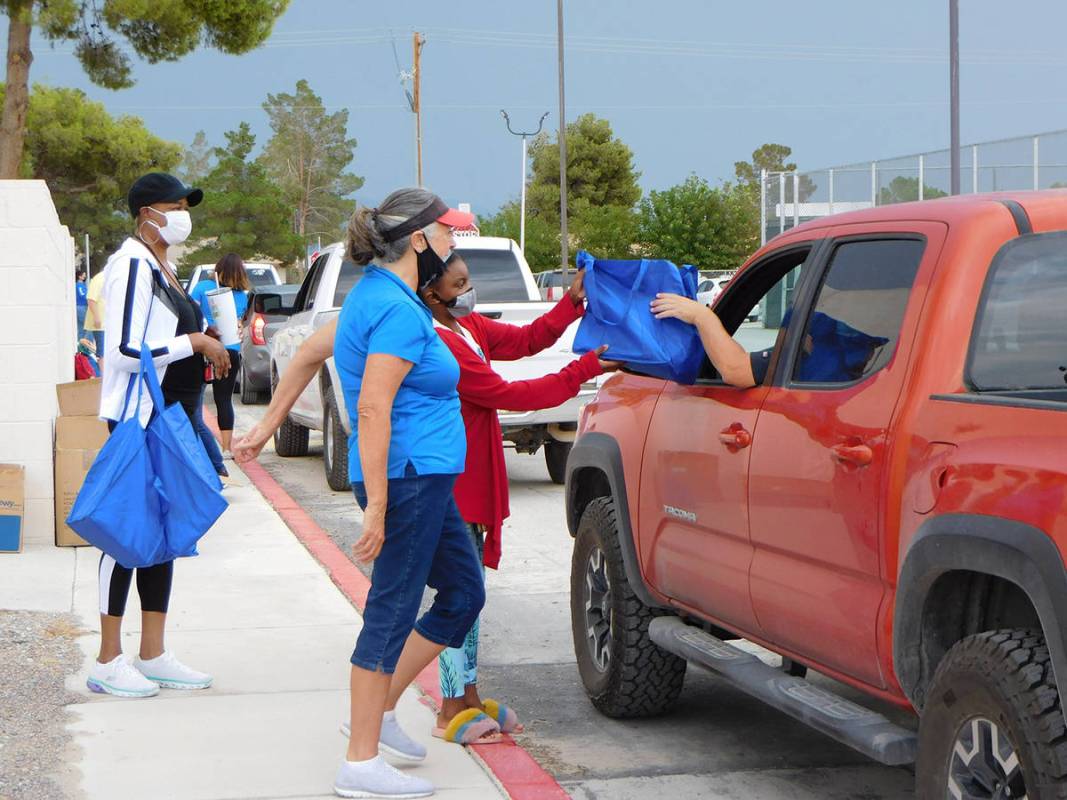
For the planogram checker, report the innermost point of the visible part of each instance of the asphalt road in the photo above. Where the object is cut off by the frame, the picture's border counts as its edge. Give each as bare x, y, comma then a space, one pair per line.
717, 742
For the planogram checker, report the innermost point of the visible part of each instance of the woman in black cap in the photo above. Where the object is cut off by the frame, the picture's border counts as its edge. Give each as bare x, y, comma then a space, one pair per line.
146, 304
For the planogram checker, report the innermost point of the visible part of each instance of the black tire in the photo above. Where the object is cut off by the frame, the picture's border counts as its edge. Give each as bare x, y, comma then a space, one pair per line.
1002, 682
556, 460
290, 439
334, 444
250, 396
624, 673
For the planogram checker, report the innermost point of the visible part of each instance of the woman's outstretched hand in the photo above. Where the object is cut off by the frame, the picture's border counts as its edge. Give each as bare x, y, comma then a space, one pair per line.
577, 290
248, 447
605, 365
674, 306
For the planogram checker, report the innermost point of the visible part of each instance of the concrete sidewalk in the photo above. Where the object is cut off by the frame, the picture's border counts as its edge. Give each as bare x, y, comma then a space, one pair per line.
260, 614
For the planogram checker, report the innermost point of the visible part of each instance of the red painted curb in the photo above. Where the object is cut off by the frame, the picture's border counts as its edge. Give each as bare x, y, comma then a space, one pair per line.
515, 770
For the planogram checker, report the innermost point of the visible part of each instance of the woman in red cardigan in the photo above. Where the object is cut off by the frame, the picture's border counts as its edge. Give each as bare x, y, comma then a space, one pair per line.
481, 492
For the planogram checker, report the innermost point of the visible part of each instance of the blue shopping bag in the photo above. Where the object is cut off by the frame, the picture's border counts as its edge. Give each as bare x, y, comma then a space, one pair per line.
118, 508
189, 488
617, 314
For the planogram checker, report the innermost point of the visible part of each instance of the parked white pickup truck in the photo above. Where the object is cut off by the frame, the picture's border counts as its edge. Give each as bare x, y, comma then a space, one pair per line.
506, 292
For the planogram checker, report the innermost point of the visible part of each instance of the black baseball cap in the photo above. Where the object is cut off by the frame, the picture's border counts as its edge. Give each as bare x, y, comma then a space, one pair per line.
160, 187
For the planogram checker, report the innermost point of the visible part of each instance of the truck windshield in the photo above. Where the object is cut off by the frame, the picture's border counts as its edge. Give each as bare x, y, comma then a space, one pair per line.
496, 274
260, 276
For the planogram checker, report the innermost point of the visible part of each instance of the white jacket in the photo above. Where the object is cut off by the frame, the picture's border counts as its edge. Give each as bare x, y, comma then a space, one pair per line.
136, 309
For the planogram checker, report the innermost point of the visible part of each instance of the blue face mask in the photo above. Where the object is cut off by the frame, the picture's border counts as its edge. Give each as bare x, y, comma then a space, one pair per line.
463, 305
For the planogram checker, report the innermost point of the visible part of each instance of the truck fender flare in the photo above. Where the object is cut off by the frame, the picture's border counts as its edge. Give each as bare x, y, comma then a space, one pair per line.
601, 452
1002, 548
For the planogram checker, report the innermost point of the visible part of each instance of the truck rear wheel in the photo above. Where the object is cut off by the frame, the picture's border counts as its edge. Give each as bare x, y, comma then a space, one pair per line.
334, 444
556, 460
992, 726
624, 673
290, 439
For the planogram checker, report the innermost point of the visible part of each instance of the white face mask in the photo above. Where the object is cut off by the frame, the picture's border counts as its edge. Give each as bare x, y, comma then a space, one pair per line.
463, 306
177, 227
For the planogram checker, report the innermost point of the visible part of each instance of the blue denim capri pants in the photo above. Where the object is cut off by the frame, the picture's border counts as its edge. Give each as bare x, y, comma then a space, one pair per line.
427, 543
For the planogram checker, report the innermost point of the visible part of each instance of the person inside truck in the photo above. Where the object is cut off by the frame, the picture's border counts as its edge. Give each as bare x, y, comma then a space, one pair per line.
833, 351
481, 491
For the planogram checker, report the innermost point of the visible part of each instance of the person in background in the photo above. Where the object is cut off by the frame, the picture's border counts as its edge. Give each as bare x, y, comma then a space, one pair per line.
81, 297
146, 306
94, 317
207, 438
229, 272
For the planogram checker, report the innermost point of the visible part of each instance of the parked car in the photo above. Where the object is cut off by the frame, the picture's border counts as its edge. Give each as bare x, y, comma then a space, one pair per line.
709, 289
550, 284
258, 329
896, 521
506, 291
258, 275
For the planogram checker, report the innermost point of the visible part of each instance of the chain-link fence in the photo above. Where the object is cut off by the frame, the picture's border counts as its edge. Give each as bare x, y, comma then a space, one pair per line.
1026, 162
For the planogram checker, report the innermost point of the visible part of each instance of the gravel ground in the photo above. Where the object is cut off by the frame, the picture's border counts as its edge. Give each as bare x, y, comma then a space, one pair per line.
37, 652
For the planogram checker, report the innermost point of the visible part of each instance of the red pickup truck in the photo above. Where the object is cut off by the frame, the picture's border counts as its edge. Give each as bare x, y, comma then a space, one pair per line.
887, 506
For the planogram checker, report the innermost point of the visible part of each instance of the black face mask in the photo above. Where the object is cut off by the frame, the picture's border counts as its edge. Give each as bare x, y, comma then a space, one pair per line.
431, 267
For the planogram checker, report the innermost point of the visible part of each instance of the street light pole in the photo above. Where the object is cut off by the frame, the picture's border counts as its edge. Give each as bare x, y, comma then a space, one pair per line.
563, 243
522, 201
954, 91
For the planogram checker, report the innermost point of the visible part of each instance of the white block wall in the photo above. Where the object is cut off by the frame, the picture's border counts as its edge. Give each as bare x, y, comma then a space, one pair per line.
37, 340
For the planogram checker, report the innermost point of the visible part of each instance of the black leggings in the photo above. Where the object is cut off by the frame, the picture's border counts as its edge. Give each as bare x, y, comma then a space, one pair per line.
153, 583
223, 391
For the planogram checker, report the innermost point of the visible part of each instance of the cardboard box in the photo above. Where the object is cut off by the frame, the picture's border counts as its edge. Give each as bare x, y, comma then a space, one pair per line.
80, 433
12, 506
71, 468
80, 398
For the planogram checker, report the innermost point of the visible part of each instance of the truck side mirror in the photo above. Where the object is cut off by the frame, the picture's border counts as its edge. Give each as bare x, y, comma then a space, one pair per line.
269, 303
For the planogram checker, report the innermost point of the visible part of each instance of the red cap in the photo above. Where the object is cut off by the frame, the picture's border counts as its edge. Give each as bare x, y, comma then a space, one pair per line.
454, 218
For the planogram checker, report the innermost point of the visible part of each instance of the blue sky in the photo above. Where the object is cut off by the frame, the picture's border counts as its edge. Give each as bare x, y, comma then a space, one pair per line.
689, 85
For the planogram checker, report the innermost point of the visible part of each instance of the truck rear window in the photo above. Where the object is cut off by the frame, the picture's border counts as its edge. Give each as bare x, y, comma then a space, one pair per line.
346, 279
1020, 332
496, 274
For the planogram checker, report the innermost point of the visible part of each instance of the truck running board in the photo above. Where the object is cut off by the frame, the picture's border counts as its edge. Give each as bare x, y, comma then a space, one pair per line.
860, 728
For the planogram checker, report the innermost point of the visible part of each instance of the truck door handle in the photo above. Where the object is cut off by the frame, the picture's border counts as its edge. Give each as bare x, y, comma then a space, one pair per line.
735, 436
859, 454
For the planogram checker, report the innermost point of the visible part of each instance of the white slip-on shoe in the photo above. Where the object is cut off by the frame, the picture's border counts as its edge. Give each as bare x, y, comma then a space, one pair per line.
119, 678
170, 673
393, 741
377, 779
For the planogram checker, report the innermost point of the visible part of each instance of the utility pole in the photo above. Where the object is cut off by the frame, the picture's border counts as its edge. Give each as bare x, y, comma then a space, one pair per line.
563, 243
417, 42
954, 91
522, 201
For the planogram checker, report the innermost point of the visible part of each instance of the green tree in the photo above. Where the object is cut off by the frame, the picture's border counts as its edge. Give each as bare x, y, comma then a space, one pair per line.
542, 237
771, 157
307, 157
600, 170
89, 159
902, 190
157, 30
605, 231
196, 160
695, 223
243, 211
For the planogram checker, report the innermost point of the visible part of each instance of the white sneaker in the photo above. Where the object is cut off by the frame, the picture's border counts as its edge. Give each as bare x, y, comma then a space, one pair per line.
393, 740
377, 779
170, 673
119, 678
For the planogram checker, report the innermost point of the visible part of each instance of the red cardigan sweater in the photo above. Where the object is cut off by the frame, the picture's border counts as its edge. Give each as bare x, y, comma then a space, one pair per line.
481, 492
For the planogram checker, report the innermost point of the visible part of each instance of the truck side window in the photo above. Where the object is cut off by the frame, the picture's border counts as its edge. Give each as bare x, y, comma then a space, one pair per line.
346, 280
306, 298
855, 325
1020, 332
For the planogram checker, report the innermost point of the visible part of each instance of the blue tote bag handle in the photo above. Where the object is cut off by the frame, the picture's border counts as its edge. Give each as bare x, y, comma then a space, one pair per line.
592, 292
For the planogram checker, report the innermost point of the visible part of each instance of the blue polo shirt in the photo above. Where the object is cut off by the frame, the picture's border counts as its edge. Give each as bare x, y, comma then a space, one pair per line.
383, 315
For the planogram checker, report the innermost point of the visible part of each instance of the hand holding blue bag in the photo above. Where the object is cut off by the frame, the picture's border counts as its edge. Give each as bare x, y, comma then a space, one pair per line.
189, 488
619, 294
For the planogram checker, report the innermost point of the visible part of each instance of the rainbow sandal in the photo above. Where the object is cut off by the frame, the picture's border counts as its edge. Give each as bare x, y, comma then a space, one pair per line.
470, 726
505, 717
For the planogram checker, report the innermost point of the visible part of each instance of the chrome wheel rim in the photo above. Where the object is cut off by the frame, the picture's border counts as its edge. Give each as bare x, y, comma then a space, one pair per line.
597, 597
985, 764
327, 436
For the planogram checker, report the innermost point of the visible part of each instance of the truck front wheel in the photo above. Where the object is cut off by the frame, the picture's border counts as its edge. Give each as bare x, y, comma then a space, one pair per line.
992, 726
624, 673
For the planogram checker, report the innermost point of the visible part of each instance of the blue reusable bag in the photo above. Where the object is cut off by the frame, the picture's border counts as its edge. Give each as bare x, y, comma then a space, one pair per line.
118, 508
189, 488
617, 314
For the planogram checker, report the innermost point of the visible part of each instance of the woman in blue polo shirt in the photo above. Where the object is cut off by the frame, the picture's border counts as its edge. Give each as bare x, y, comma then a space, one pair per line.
399, 380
